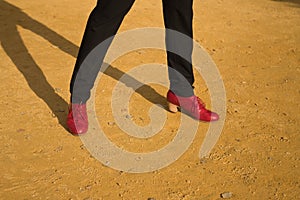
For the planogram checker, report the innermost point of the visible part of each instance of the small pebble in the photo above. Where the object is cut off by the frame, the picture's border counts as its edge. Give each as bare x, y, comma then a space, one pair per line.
203, 161
138, 158
284, 139
151, 198
226, 195
58, 149
58, 90
128, 117
111, 123
20, 130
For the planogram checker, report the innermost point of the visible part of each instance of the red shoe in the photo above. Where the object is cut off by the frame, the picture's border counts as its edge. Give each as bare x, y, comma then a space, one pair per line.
193, 106
77, 120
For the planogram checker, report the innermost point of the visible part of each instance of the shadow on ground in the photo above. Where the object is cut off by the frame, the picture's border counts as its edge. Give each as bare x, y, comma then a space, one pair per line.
295, 3
12, 43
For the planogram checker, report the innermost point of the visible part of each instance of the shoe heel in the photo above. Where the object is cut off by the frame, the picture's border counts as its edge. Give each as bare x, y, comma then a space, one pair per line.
172, 107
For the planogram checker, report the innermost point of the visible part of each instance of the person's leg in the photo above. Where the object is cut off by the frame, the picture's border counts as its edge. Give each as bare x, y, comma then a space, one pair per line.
178, 16
102, 24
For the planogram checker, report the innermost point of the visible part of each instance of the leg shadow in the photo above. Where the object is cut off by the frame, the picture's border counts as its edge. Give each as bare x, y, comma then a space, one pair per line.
145, 91
295, 3
34, 76
11, 41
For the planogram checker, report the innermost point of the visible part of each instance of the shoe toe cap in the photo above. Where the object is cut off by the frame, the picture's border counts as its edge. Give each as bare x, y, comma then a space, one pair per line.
214, 116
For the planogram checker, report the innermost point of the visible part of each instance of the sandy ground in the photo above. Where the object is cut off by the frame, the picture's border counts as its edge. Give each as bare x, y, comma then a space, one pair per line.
255, 45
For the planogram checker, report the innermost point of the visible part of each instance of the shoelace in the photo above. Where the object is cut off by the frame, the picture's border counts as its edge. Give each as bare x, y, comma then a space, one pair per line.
197, 103
79, 113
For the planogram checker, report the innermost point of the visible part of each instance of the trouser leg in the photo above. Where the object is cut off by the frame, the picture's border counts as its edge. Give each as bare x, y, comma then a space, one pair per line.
178, 15
103, 23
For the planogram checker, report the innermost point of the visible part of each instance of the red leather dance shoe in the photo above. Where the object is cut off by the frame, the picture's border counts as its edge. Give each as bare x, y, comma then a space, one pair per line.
77, 120
193, 106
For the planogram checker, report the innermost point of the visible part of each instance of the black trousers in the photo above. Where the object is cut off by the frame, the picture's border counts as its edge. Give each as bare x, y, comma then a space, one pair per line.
104, 22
